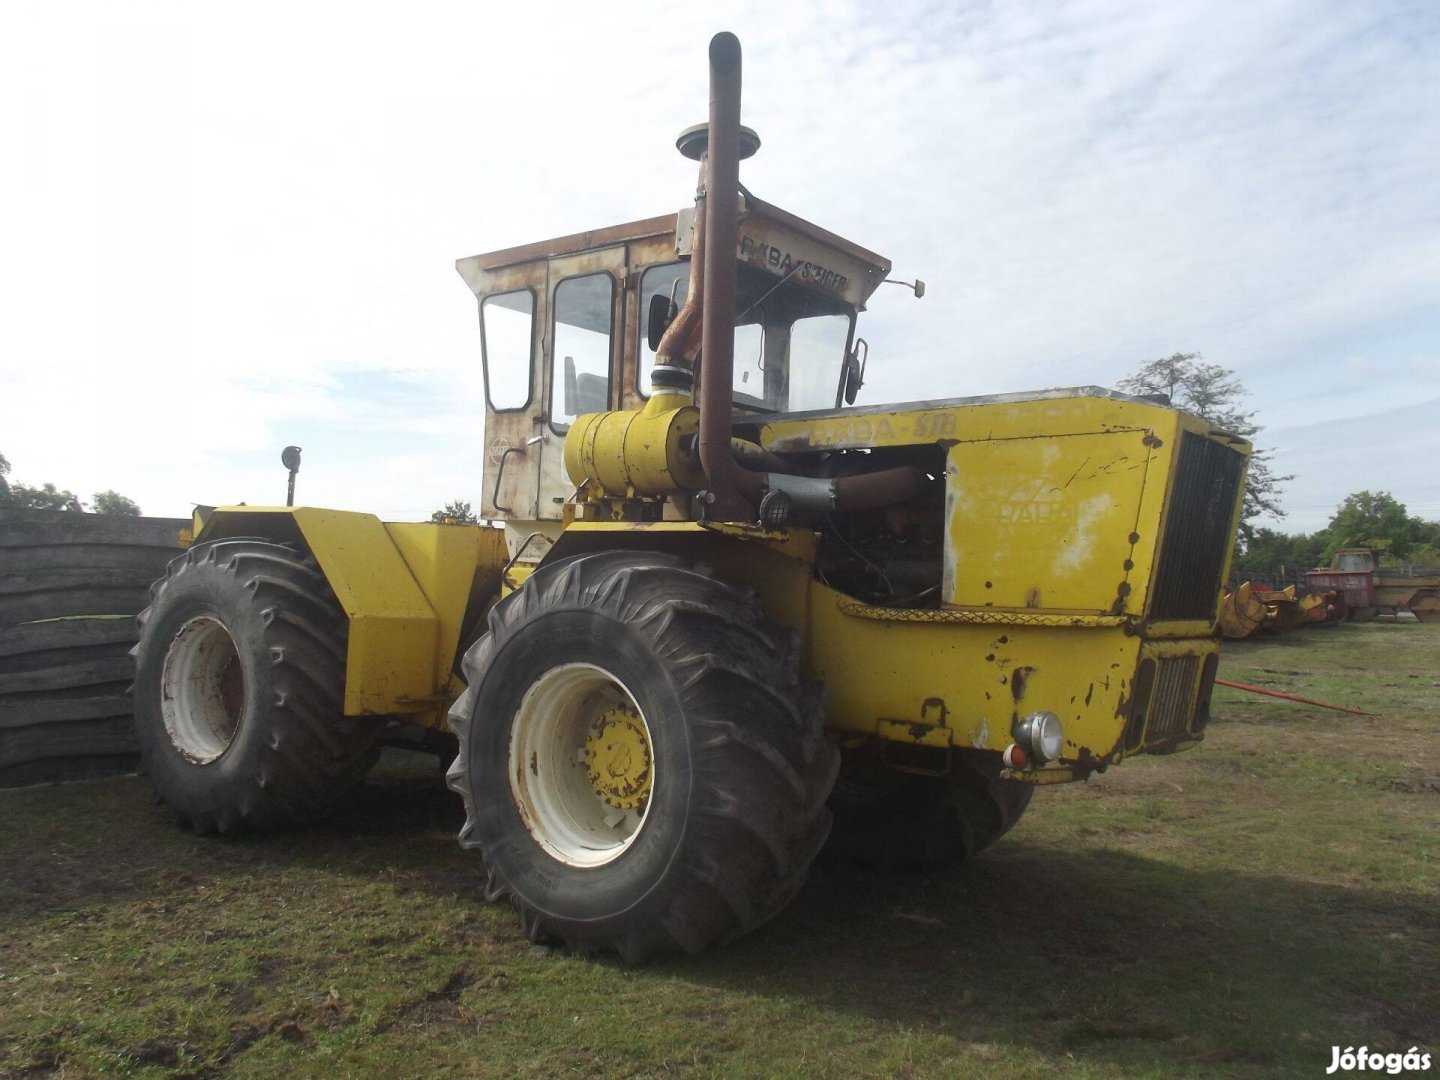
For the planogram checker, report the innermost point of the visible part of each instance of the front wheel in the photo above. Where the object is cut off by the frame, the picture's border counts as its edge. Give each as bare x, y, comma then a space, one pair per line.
642, 769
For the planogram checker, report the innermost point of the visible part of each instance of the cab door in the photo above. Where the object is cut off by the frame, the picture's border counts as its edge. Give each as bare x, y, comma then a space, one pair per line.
586, 312
513, 316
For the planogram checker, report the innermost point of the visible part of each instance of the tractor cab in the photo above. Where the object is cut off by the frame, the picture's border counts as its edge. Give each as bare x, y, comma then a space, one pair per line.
571, 326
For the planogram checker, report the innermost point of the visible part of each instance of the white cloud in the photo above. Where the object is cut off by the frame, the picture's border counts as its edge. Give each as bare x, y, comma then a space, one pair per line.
1392, 450
223, 223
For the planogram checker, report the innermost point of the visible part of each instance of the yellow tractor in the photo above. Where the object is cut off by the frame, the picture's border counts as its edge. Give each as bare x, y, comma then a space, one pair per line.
727, 606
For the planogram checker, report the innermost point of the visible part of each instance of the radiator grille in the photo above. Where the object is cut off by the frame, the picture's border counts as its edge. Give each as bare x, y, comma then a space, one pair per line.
1197, 534
1173, 700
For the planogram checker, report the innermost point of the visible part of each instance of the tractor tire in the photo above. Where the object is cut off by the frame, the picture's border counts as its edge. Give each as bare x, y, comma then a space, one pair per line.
239, 688
902, 821
642, 769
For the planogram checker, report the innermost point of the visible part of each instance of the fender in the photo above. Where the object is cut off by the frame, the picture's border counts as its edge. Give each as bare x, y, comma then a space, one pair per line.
408, 590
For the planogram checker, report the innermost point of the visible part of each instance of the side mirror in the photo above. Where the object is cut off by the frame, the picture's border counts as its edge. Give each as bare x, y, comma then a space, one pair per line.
662, 313
855, 370
919, 288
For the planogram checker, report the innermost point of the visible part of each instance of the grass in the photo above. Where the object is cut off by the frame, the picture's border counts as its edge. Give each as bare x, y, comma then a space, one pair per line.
1232, 911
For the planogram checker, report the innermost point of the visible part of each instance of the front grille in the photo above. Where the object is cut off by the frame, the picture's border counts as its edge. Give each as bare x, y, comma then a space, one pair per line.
1173, 700
1197, 535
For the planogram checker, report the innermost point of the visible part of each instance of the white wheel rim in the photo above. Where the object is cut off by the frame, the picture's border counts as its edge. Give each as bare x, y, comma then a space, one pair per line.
549, 779
201, 692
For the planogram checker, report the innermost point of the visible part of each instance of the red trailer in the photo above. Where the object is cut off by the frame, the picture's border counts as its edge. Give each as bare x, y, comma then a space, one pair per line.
1369, 590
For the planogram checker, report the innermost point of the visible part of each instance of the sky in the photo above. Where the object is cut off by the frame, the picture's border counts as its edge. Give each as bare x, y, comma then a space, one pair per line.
229, 228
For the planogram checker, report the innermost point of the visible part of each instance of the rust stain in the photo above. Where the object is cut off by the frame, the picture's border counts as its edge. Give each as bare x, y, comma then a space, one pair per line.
937, 704
1019, 680
1122, 709
1032, 597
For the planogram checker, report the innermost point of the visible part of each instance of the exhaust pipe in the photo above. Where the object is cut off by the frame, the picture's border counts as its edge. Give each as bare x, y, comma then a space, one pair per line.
735, 492
680, 344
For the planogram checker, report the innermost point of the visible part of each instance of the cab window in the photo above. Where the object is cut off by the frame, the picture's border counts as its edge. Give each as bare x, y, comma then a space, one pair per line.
507, 333
672, 280
789, 340
580, 376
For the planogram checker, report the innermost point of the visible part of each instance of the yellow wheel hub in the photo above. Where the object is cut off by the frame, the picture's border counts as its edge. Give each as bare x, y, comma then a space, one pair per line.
617, 757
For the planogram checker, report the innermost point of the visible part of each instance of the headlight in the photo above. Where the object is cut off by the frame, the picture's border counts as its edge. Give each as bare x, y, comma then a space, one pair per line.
1039, 735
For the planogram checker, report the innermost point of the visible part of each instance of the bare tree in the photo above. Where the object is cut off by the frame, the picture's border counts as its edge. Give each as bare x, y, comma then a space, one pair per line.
1213, 393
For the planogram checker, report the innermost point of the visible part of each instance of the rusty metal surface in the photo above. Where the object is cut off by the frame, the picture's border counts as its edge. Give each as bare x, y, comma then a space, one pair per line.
790, 249
574, 243
507, 430
877, 267
680, 344
1357, 586
1172, 702
734, 491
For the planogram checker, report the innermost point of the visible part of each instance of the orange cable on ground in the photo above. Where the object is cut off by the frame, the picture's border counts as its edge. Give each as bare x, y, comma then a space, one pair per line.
1292, 697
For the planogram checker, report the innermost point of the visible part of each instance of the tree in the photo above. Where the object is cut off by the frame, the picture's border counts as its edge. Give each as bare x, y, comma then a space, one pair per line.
1213, 393
1267, 551
1427, 555
1378, 520
112, 502
456, 512
4, 484
48, 497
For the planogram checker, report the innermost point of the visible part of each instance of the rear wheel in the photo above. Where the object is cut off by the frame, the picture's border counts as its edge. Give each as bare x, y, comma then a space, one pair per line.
898, 820
1425, 605
641, 767
239, 688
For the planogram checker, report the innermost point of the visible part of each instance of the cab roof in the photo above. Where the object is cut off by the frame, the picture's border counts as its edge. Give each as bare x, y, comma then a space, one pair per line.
772, 225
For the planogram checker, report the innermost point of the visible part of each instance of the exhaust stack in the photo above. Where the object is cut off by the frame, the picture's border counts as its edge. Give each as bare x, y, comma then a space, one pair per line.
735, 492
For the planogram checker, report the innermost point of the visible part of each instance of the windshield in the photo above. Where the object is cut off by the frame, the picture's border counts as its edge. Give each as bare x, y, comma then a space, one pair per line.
789, 342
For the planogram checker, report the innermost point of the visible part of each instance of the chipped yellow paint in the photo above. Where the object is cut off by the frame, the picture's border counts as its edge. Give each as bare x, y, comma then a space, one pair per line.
931, 678
1045, 523
978, 677
1021, 416
515, 576
917, 733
